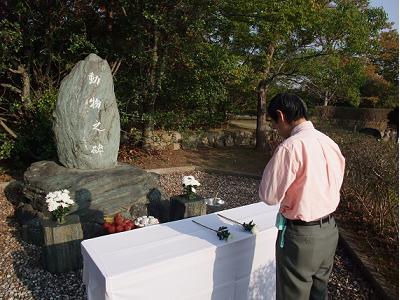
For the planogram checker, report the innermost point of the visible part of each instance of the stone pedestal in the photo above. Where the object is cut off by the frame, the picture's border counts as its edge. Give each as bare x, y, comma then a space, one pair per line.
96, 192
61, 250
182, 207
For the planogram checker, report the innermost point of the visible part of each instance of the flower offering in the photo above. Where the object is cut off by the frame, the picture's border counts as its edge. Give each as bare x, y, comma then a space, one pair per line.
146, 221
58, 203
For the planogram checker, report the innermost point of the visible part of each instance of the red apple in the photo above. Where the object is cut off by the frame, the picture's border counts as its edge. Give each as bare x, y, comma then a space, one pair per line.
128, 226
111, 229
119, 228
118, 219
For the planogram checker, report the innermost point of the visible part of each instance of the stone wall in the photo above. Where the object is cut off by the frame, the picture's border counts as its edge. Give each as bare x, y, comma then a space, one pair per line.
213, 138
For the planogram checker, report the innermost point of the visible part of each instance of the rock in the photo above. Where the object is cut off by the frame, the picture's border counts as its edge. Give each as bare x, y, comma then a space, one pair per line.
211, 137
203, 142
176, 136
166, 137
372, 132
191, 142
176, 146
86, 119
219, 141
96, 192
25, 213
242, 138
229, 142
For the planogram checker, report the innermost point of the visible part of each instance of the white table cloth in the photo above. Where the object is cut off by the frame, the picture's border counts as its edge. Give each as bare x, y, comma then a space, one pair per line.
182, 260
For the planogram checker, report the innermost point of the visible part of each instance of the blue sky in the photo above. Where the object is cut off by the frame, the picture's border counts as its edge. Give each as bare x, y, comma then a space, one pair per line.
392, 9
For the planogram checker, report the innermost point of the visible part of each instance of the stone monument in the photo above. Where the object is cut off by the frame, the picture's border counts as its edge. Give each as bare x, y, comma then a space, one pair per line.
86, 119
87, 133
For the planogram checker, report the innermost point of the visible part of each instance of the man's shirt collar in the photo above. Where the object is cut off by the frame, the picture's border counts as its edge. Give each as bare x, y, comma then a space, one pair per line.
302, 126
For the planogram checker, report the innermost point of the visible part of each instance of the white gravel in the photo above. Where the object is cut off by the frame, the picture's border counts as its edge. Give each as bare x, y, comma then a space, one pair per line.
22, 277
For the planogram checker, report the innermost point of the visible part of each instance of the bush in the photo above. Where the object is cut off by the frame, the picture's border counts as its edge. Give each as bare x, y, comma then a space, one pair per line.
7, 145
370, 187
34, 133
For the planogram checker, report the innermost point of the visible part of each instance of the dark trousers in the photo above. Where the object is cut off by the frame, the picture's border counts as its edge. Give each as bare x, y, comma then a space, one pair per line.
305, 262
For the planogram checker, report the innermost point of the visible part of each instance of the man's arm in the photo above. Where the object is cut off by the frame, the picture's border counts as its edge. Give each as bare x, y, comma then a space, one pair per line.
278, 175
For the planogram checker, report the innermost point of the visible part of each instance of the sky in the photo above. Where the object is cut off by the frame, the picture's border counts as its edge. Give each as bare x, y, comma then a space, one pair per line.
392, 9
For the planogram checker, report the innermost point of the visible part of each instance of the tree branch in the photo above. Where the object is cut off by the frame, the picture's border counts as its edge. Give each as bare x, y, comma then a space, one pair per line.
115, 66
8, 129
11, 88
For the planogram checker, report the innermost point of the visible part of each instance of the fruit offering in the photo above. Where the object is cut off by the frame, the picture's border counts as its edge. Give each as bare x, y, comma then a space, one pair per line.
119, 224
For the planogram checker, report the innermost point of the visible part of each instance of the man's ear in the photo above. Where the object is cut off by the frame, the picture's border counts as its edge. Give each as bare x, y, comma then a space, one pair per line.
281, 116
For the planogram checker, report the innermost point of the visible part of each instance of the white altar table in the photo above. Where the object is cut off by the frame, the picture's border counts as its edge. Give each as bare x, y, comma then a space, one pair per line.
182, 260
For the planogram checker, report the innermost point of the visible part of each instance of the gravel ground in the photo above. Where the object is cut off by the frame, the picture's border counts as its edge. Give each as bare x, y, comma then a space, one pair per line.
21, 276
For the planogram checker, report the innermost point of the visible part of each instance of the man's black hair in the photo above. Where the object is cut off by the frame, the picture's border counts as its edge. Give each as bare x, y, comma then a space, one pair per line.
292, 106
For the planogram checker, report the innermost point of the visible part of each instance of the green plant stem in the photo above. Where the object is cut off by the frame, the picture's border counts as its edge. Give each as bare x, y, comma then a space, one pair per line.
205, 226
229, 219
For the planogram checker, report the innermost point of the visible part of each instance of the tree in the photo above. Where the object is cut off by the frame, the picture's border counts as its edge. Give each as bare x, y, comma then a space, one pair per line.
37, 40
276, 37
382, 85
333, 78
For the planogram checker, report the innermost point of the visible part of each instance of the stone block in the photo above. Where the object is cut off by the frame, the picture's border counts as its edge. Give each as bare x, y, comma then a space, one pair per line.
61, 251
181, 207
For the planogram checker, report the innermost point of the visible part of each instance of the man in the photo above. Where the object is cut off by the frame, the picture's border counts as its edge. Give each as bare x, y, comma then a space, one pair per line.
304, 175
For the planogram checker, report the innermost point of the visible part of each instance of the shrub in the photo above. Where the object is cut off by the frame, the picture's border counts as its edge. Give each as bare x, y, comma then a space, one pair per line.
34, 132
370, 186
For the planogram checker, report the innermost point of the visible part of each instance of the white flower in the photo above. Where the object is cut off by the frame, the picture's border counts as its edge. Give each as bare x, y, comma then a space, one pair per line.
254, 230
58, 199
190, 181
52, 206
146, 221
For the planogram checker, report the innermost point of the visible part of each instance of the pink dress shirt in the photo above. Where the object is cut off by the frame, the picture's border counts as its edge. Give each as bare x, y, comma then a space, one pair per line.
304, 175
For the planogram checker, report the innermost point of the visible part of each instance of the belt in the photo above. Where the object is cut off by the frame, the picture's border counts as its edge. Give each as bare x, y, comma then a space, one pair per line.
311, 223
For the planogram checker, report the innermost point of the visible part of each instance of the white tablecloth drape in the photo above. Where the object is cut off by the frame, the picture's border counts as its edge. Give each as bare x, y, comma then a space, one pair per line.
182, 260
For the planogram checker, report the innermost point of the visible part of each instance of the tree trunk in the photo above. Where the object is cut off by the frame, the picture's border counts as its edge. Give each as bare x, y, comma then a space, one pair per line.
261, 129
26, 86
148, 125
26, 89
326, 99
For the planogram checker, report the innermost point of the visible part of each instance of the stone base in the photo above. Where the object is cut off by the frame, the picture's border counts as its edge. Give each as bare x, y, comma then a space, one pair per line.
182, 207
61, 251
96, 192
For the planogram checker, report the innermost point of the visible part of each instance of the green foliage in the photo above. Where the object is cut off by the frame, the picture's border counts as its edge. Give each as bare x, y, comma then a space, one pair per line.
183, 64
10, 43
382, 86
333, 79
35, 135
79, 44
7, 145
45, 105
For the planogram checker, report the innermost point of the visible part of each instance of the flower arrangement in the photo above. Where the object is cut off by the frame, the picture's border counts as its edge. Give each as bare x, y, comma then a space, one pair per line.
189, 183
58, 203
250, 227
118, 224
222, 232
146, 221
